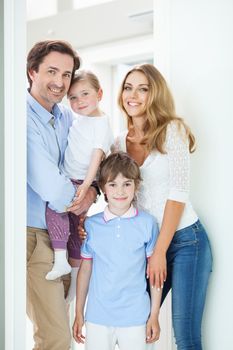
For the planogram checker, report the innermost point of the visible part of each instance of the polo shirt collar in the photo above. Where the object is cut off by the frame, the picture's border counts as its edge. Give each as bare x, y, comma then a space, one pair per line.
41, 112
131, 212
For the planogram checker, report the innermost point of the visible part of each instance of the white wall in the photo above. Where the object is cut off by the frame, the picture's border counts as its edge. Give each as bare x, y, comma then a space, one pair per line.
198, 42
13, 123
194, 46
2, 226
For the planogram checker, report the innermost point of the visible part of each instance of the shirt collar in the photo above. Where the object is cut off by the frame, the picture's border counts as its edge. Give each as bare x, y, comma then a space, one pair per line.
41, 112
131, 212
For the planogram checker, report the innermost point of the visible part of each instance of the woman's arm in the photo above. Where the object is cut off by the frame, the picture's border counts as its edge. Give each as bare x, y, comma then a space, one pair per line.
157, 267
83, 280
177, 149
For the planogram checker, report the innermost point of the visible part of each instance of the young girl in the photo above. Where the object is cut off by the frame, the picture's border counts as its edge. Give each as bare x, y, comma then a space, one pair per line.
119, 241
89, 141
161, 143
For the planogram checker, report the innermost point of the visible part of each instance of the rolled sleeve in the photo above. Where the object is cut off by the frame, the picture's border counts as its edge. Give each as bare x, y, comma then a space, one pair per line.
153, 235
86, 250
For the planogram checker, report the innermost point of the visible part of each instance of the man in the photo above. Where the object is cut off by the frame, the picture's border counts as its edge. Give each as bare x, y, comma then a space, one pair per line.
50, 68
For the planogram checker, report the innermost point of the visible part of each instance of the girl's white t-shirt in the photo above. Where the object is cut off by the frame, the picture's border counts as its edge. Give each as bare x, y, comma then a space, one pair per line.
85, 135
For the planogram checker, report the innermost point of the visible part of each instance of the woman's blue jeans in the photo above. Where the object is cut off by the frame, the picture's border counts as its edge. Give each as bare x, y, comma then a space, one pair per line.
189, 263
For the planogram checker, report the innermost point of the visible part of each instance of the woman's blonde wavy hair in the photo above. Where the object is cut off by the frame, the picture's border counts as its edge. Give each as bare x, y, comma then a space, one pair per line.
160, 110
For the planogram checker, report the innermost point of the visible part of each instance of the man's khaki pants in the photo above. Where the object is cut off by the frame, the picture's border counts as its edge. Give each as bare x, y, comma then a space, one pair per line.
46, 306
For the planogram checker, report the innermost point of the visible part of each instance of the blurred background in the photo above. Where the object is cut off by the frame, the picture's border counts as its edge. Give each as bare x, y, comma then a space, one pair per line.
109, 35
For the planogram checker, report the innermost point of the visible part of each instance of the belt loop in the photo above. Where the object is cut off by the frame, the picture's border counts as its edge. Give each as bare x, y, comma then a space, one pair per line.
197, 224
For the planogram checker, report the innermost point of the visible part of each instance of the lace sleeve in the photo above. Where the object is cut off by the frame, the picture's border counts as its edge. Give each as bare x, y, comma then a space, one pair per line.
177, 148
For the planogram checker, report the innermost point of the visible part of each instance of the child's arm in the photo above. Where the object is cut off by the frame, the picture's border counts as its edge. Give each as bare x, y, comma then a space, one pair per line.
83, 279
152, 326
96, 158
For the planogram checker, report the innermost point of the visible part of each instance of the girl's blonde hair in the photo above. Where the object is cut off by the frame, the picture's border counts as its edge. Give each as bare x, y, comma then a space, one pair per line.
86, 75
160, 110
119, 163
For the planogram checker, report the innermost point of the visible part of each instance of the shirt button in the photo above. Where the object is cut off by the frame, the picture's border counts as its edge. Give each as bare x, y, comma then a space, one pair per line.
118, 226
118, 236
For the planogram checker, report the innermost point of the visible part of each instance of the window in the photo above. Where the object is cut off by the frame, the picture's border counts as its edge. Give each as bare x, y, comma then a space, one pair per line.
77, 4
40, 9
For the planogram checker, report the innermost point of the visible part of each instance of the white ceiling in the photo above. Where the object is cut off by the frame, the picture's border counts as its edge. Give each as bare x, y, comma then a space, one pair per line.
94, 25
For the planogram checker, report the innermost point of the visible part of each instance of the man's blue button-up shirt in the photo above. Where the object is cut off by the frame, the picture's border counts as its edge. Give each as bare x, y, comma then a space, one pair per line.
45, 152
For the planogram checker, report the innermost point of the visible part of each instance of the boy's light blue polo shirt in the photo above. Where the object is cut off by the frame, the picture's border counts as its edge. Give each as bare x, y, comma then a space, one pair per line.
119, 247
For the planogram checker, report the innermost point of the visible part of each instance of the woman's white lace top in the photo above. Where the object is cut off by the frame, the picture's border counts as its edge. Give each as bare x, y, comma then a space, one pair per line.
165, 176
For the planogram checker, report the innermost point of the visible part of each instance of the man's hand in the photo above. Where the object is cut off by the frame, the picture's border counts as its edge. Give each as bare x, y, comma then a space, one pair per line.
78, 207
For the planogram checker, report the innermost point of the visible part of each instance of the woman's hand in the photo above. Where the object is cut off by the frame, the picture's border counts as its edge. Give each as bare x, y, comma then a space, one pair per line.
157, 269
157, 263
81, 232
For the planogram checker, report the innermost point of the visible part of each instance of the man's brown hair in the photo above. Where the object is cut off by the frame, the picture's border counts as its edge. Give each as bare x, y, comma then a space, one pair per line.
43, 48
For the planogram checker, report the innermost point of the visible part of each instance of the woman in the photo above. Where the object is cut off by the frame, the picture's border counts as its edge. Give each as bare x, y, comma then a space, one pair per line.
161, 144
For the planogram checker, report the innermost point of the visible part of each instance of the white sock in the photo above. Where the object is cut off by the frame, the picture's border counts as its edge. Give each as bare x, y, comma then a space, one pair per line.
61, 266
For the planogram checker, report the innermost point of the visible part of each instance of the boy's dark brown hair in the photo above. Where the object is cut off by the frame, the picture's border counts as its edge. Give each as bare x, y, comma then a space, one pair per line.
116, 163
41, 49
